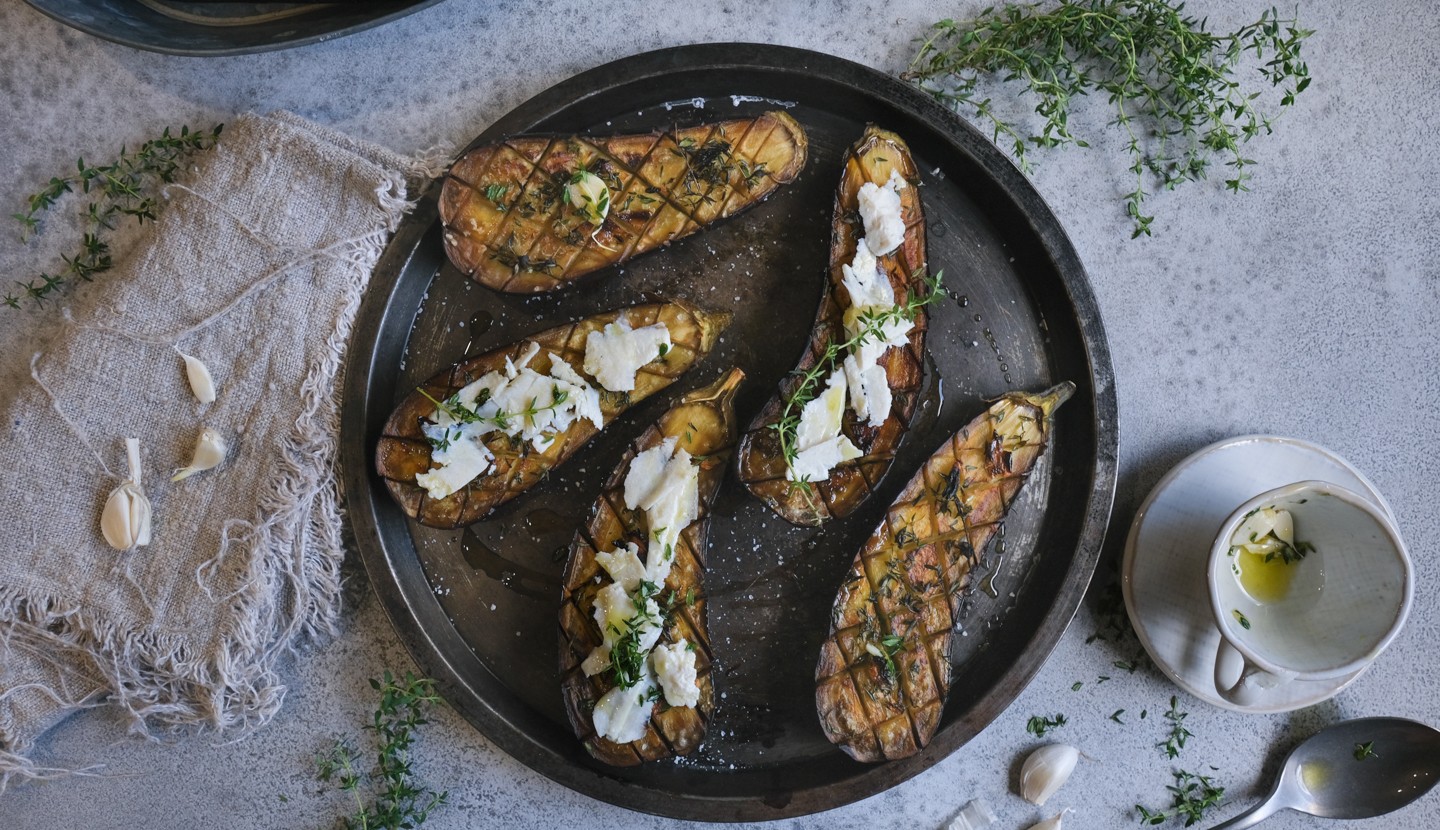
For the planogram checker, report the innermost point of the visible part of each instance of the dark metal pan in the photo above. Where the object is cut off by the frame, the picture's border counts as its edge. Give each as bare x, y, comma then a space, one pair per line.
477, 608
204, 29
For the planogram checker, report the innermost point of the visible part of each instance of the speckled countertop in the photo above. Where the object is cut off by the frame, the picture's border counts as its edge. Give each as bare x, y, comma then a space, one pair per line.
1309, 307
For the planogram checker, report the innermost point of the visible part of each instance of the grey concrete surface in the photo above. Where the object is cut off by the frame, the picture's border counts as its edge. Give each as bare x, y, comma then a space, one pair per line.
1309, 307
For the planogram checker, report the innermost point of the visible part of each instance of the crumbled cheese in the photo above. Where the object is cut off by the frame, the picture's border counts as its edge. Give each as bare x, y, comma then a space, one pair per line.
615, 353
819, 446
519, 402
622, 714
880, 213
675, 668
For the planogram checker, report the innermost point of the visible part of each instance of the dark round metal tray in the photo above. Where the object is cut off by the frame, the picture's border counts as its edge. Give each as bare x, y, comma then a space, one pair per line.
201, 29
477, 608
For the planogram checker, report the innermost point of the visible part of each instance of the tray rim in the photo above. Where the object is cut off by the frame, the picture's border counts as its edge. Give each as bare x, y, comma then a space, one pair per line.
386, 575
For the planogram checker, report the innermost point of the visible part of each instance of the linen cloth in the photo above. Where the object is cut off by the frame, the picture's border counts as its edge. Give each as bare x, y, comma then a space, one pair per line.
256, 267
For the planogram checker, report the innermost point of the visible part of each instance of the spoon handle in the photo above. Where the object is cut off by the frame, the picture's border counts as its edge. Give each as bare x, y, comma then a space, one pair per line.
1252, 816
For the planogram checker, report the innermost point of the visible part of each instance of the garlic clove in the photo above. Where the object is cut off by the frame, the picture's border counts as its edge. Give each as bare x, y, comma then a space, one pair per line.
125, 521
201, 383
1052, 823
209, 453
1046, 770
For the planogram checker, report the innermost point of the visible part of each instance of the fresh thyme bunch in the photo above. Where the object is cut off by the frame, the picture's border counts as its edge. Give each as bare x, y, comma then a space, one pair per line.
127, 187
401, 801
1171, 84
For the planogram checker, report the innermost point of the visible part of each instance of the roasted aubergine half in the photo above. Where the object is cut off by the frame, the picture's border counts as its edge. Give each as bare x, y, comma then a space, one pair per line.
635, 654
884, 669
482, 432
829, 435
536, 213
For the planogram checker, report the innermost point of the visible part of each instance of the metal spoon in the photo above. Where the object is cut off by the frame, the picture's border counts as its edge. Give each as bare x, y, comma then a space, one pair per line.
1323, 777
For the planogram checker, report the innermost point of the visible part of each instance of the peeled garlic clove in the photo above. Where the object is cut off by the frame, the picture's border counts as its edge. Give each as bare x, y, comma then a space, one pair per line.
1046, 770
210, 451
1052, 823
125, 522
201, 383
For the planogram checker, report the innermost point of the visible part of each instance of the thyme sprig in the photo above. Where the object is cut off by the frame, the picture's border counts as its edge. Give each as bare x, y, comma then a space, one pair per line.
1171, 84
129, 186
1191, 795
1178, 733
399, 800
627, 656
872, 324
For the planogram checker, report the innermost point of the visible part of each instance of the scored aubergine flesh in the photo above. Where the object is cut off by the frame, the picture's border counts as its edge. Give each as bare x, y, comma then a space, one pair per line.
703, 424
884, 668
762, 465
404, 452
511, 224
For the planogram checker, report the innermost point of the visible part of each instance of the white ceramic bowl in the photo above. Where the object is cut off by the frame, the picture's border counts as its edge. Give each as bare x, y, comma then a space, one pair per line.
1346, 601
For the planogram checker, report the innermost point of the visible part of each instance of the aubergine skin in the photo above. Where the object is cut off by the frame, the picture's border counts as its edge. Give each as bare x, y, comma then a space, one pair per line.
509, 226
761, 463
884, 669
403, 452
703, 424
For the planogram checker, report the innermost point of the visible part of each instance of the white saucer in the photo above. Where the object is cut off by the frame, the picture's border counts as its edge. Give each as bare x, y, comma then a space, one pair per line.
1163, 574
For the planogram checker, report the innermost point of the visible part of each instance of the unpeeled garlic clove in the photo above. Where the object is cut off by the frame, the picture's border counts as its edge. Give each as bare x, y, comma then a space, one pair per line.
201, 383
1052, 823
125, 522
1046, 770
210, 451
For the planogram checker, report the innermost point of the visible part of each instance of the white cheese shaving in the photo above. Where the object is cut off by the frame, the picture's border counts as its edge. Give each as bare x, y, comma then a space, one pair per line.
819, 446
871, 296
870, 395
880, 213
457, 455
622, 714
665, 483
675, 668
867, 285
623, 564
615, 353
